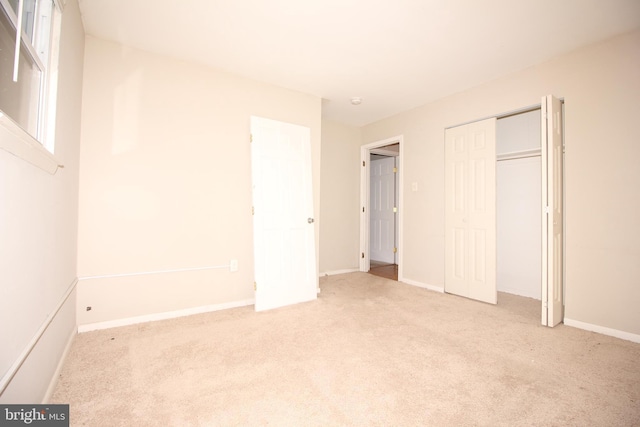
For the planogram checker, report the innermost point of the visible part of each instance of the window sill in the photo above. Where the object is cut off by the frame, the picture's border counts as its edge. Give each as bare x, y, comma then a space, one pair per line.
14, 140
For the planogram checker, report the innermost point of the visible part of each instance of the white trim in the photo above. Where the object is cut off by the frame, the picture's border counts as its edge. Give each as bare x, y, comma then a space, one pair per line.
365, 150
336, 272
439, 289
16, 57
603, 330
56, 373
162, 316
49, 107
519, 293
16, 141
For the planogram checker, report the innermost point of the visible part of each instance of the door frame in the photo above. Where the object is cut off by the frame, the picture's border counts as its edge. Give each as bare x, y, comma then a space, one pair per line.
365, 152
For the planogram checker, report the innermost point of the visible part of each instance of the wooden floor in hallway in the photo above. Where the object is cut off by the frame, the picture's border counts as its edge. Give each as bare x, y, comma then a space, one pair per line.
386, 270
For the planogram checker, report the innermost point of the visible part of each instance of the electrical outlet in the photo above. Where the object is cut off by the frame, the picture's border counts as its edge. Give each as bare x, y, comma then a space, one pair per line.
233, 265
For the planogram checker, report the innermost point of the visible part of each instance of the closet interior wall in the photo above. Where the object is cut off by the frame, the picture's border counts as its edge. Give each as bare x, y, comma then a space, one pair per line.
519, 222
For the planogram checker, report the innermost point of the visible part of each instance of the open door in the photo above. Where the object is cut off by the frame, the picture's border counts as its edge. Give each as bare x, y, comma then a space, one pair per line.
552, 215
283, 223
470, 211
383, 147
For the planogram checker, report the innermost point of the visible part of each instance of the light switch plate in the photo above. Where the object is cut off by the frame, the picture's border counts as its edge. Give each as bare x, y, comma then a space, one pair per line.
233, 265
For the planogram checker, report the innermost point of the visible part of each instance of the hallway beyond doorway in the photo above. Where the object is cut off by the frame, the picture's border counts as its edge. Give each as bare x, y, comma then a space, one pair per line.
386, 270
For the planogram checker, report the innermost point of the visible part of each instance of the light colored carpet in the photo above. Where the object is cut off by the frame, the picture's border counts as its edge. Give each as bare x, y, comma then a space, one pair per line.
368, 352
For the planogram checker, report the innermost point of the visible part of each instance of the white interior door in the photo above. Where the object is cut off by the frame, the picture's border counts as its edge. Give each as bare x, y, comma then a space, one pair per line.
552, 215
283, 224
382, 202
470, 212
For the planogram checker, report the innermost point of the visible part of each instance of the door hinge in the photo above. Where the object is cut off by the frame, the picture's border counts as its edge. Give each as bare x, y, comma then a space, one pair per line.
363, 163
363, 209
395, 250
250, 137
255, 286
253, 210
395, 170
395, 209
362, 255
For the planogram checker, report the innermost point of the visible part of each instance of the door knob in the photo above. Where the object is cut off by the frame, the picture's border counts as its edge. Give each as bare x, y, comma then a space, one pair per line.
310, 220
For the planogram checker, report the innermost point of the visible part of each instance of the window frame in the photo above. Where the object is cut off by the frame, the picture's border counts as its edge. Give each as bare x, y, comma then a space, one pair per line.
36, 149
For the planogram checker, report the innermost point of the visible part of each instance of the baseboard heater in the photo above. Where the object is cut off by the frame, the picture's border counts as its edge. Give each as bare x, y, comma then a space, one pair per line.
13, 370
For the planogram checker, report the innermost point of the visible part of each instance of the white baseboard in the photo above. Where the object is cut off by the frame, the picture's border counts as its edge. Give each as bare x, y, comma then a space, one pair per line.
602, 330
333, 273
519, 293
422, 285
56, 373
162, 316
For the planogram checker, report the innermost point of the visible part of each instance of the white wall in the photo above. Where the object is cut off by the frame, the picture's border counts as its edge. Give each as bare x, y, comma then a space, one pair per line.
601, 89
38, 229
518, 133
519, 206
340, 195
165, 181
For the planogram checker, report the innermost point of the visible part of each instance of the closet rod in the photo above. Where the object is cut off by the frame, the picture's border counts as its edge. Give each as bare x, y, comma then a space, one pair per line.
524, 156
518, 155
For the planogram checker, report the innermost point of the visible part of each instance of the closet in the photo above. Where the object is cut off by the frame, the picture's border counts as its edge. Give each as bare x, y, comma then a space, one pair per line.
504, 208
530, 234
518, 209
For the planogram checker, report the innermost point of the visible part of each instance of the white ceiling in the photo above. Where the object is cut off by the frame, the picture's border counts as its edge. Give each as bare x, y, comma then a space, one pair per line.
394, 54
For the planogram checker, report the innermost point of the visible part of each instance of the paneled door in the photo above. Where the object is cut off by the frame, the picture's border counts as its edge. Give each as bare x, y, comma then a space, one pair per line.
552, 215
283, 223
470, 211
382, 206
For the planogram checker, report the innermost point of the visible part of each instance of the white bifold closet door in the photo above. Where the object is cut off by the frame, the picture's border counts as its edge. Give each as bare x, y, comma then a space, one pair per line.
552, 215
470, 211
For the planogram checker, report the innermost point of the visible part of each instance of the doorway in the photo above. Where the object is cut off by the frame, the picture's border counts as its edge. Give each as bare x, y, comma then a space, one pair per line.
528, 248
530, 237
381, 208
518, 196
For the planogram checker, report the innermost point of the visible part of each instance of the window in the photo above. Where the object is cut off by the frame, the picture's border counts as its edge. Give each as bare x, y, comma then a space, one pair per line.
28, 69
